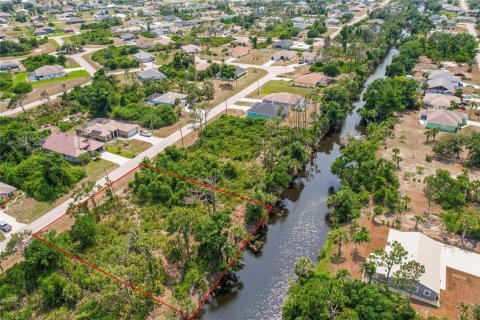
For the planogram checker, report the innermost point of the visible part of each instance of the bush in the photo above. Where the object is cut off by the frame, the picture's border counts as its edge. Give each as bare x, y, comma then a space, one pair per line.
22, 88
428, 158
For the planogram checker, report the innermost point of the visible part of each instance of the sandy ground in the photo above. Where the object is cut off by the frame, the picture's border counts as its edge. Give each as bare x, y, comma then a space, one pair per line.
350, 259
409, 138
461, 287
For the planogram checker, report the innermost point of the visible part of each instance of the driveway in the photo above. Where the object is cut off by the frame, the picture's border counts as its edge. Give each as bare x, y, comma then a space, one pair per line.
115, 158
16, 226
152, 139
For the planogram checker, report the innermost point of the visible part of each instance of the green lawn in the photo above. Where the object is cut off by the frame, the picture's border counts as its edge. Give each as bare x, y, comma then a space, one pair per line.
127, 148
275, 86
2, 237
22, 77
27, 209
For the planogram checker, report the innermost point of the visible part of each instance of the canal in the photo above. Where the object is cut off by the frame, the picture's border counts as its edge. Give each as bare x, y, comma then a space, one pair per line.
300, 231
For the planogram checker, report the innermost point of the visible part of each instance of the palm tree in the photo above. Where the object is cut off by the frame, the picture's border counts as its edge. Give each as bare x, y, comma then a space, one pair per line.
428, 133
435, 131
425, 87
369, 269
339, 237
417, 219
396, 157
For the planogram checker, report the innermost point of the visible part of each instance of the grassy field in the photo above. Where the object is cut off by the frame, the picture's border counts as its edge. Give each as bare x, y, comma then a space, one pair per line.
27, 209
128, 149
275, 86
22, 77
2, 237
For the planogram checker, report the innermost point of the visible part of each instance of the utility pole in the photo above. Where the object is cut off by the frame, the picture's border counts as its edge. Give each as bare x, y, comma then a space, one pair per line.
226, 106
109, 182
181, 135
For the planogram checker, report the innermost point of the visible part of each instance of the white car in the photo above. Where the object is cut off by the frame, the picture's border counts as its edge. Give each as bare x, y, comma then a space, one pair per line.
145, 134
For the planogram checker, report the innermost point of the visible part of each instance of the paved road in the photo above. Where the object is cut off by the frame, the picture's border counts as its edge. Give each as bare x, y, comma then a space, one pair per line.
158, 146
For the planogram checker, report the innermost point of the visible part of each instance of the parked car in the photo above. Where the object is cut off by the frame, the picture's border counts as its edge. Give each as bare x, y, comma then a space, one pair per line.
145, 133
5, 227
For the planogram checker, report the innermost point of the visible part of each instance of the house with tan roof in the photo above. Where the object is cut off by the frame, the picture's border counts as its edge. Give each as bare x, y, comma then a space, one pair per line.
283, 55
47, 72
440, 101
312, 80
106, 129
71, 146
238, 52
444, 120
191, 49
286, 99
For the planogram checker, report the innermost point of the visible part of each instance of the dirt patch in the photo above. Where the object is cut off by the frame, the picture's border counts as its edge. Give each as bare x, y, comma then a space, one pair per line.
351, 259
54, 88
461, 287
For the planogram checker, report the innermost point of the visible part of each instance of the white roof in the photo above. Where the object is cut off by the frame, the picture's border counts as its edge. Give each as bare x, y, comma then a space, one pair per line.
422, 249
435, 256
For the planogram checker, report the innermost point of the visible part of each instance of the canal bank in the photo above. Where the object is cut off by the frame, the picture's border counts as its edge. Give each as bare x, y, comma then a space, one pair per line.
300, 231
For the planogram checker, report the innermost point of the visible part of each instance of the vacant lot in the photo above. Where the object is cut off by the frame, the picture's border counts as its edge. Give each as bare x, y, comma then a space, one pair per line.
225, 90
27, 209
257, 57
275, 86
127, 148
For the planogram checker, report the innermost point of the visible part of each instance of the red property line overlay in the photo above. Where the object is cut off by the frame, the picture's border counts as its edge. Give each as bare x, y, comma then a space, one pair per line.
138, 290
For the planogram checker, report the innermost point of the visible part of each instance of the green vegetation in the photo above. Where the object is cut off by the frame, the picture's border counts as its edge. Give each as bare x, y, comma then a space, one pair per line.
192, 228
44, 176
104, 25
24, 46
116, 57
98, 36
444, 46
149, 117
34, 62
317, 294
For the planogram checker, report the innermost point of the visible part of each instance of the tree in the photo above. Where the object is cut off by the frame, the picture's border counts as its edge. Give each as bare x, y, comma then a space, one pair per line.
208, 90
17, 101
389, 259
361, 236
459, 93
369, 269
408, 275
331, 70
418, 219
434, 131
468, 223
339, 237
84, 230
52, 288
425, 87
396, 157
182, 220
304, 268
428, 134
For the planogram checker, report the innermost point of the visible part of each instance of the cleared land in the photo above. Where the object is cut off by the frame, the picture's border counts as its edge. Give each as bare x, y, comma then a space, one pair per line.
225, 90
275, 86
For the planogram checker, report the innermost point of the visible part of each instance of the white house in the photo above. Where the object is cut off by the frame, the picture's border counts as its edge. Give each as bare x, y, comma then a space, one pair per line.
47, 72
